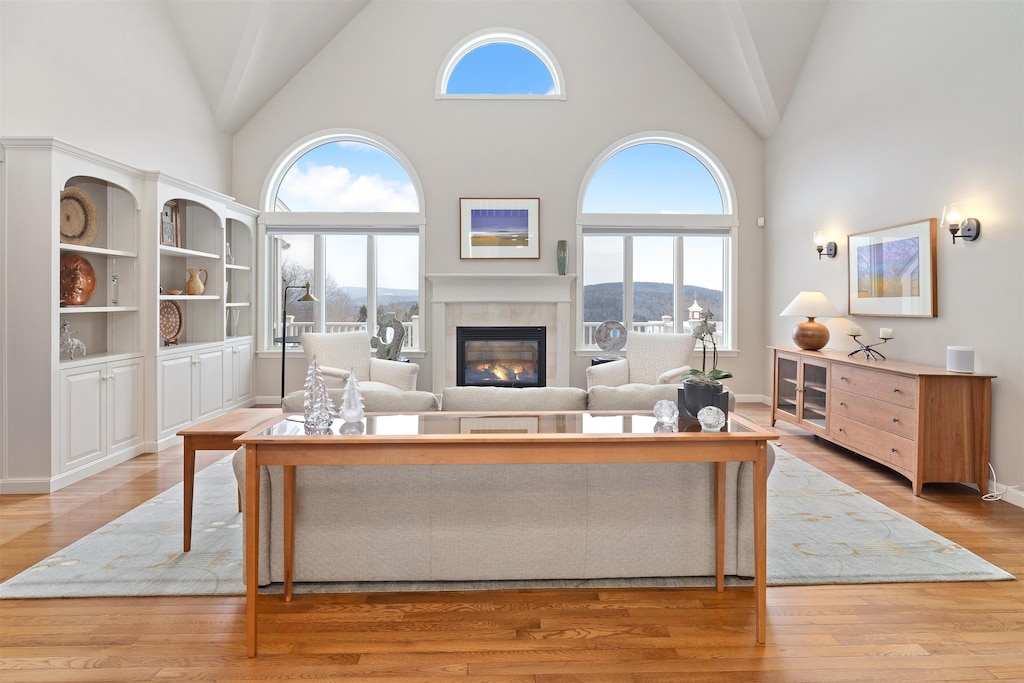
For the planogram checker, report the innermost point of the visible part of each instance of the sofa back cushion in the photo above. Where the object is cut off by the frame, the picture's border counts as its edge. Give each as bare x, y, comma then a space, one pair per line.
345, 350
512, 399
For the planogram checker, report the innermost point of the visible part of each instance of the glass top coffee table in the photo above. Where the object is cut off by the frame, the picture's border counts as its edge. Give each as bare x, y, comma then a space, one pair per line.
503, 438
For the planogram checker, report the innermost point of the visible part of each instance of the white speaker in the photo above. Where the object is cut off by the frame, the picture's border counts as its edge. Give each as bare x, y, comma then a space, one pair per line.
960, 359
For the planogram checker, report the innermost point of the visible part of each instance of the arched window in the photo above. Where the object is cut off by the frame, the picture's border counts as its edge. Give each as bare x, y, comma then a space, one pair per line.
343, 210
656, 221
500, 63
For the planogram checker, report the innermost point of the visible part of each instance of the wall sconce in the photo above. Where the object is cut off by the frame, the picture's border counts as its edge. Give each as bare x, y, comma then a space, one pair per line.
828, 248
967, 229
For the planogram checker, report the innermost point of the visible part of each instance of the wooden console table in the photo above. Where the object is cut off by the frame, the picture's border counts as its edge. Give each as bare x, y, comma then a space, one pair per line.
560, 438
926, 423
216, 434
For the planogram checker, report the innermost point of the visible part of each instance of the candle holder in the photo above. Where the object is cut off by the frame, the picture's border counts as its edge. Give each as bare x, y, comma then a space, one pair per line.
868, 349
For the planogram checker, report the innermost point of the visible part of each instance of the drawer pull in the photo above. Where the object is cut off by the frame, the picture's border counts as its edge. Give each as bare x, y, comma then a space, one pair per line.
895, 390
843, 378
842, 403
893, 450
895, 419
841, 429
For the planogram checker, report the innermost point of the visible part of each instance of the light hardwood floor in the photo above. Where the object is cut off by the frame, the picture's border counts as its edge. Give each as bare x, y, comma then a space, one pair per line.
894, 632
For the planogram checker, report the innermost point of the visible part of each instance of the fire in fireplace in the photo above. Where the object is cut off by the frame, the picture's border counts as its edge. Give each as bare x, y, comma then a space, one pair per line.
500, 356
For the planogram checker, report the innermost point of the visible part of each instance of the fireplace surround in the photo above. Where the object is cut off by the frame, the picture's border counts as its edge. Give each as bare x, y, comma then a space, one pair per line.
500, 356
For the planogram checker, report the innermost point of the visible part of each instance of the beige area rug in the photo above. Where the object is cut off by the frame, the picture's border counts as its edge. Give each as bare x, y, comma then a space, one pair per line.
820, 531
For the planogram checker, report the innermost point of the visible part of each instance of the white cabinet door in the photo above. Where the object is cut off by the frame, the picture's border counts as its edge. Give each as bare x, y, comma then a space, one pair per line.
230, 397
243, 371
82, 416
175, 379
209, 396
124, 404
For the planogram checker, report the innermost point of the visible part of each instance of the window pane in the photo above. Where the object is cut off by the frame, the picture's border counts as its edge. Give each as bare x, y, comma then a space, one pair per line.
500, 69
296, 259
346, 176
398, 276
345, 282
653, 277
603, 294
653, 178
704, 278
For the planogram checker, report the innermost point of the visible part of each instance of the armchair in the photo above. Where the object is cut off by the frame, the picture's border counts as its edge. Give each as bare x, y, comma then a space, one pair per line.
652, 370
341, 353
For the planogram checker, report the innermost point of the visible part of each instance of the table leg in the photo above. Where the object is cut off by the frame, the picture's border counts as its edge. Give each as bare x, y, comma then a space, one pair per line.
189, 483
252, 549
720, 526
289, 529
761, 540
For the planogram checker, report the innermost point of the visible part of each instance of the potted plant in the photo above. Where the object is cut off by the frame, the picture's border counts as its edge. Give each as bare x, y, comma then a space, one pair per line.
704, 387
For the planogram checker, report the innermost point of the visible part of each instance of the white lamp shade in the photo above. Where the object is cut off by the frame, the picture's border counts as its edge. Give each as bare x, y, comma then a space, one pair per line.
811, 305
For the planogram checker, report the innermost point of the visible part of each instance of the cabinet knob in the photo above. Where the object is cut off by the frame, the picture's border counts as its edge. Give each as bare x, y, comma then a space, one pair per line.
842, 403
895, 390
843, 378
895, 419
841, 429
893, 450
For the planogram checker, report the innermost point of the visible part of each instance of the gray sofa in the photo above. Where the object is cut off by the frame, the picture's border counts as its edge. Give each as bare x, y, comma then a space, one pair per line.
503, 522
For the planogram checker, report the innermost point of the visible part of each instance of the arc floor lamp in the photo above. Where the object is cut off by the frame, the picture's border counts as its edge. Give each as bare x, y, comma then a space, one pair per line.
284, 339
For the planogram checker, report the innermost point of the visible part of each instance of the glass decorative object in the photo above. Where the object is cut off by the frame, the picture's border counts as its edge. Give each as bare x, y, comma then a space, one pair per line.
711, 418
318, 407
666, 412
562, 256
351, 401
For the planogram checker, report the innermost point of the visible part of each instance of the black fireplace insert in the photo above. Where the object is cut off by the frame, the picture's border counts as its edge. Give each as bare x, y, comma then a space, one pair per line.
500, 356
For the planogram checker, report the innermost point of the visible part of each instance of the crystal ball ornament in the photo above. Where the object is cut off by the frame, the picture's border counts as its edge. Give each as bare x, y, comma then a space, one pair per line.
666, 412
711, 418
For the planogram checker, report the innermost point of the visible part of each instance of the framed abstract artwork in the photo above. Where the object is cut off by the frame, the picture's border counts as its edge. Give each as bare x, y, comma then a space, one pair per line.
892, 271
499, 228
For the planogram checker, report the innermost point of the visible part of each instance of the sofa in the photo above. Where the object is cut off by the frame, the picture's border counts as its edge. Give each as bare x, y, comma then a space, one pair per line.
505, 522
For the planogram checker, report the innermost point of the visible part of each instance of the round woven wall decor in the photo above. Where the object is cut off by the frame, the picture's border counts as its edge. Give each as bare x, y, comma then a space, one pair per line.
79, 219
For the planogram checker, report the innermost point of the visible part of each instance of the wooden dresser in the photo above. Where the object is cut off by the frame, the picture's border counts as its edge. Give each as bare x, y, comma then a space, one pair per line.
926, 423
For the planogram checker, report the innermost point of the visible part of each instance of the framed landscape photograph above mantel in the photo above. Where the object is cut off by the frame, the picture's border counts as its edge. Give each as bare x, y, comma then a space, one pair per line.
892, 271
499, 228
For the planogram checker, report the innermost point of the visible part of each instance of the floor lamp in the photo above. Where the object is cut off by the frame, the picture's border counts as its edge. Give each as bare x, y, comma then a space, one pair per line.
285, 340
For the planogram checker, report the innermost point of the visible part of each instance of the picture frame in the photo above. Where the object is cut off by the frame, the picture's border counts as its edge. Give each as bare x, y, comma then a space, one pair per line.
499, 228
892, 271
169, 235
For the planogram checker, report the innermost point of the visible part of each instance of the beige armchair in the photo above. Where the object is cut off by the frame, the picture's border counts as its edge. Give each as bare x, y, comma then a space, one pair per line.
341, 353
652, 370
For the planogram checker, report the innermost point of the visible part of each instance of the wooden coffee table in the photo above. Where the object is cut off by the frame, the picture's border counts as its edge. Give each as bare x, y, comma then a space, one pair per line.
217, 434
442, 439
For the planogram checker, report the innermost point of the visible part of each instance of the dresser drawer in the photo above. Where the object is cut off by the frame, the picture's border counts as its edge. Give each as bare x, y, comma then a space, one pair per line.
888, 417
884, 386
883, 446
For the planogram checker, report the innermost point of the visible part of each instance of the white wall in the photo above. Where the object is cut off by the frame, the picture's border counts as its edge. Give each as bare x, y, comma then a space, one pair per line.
379, 76
109, 77
903, 107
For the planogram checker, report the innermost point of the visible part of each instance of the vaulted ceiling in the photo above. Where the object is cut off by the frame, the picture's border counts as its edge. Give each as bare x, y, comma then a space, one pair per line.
749, 51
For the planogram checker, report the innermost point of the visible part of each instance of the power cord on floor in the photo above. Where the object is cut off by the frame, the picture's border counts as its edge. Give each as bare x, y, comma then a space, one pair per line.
996, 494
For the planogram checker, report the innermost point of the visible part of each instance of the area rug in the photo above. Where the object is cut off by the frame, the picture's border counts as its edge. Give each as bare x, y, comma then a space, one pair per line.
820, 531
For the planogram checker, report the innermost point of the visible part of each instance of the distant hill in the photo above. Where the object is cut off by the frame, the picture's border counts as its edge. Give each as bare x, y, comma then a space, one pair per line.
385, 295
651, 300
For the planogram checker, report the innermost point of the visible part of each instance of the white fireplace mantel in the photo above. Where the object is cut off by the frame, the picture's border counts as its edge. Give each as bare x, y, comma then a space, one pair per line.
500, 299
498, 288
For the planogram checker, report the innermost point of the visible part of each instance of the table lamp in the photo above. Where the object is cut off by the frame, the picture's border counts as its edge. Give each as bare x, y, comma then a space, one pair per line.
810, 335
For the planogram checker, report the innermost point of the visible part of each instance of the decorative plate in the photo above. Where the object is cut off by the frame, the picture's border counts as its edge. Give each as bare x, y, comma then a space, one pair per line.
77, 279
170, 321
610, 336
79, 219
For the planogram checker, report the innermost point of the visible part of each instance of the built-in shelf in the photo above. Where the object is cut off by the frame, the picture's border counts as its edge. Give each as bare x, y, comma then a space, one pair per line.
179, 251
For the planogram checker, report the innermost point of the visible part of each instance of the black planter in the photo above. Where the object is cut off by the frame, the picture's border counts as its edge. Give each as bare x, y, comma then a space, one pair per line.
694, 396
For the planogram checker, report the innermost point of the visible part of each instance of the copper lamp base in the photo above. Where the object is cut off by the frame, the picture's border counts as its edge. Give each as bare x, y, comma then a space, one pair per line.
810, 335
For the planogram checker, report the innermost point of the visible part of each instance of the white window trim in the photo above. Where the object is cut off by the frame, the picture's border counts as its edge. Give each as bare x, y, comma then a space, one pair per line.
726, 223
489, 37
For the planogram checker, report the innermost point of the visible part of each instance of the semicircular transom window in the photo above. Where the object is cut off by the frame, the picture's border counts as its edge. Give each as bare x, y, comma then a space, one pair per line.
500, 69
346, 175
653, 178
